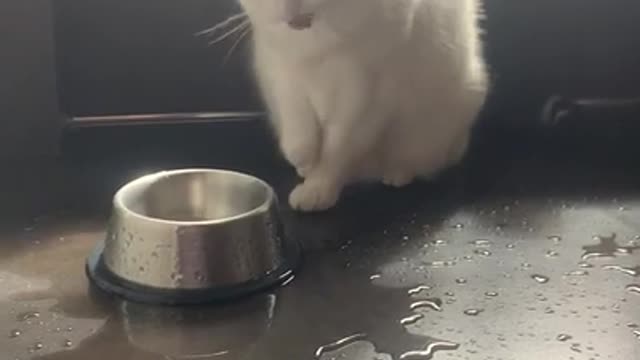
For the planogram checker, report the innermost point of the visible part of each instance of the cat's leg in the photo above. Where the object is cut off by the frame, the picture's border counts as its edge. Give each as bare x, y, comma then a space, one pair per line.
297, 126
398, 176
351, 126
299, 135
459, 147
343, 146
398, 167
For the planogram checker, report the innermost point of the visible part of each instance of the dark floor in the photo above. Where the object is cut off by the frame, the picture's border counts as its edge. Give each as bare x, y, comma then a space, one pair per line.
500, 246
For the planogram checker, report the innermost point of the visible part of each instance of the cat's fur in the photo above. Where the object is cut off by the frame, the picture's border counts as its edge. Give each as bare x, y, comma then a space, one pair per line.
371, 90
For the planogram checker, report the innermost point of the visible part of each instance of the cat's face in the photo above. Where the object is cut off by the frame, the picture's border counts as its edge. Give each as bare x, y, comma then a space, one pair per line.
298, 14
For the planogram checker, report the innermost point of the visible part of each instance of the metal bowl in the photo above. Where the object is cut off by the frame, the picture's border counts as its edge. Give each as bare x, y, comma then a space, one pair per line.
193, 236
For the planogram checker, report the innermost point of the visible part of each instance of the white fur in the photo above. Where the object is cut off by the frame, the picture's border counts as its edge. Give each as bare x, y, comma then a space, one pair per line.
374, 90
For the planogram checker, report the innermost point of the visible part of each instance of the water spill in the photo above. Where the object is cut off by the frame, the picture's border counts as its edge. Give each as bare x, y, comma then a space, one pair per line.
375, 277
430, 351
473, 312
177, 277
15, 333
29, 315
575, 347
410, 320
578, 273
631, 271
564, 337
418, 289
337, 345
633, 288
441, 263
491, 294
481, 243
584, 265
433, 303
607, 247
551, 253
288, 281
440, 242
540, 279
482, 252
555, 238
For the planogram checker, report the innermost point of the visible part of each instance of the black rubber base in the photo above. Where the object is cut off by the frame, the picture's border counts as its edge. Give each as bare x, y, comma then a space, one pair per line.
110, 283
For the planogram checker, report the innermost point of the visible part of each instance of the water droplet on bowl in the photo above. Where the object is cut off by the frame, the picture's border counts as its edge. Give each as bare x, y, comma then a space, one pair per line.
564, 337
29, 315
15, 333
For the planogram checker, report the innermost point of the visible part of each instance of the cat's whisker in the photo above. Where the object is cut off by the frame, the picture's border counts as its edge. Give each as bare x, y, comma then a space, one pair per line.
229, 21
244, 33
238, 28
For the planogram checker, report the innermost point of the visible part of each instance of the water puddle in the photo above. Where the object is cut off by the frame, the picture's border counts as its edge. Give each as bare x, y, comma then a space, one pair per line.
338, 344
430, 351
631, 271
606, 247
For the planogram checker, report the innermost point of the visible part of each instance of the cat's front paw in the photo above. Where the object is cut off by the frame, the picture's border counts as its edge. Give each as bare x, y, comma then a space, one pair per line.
301, 154
314, 195
397, 178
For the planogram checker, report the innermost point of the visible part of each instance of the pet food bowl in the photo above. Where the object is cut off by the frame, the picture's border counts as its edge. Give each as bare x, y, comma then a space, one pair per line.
193, 236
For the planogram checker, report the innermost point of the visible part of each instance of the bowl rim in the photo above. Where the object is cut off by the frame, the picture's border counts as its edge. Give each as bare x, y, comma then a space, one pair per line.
119, 205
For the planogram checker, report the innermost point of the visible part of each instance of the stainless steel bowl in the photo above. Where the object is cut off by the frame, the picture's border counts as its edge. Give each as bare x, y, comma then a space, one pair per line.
193, 236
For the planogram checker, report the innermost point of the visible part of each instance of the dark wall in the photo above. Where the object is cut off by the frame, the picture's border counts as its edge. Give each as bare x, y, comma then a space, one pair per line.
28, 115
141, 56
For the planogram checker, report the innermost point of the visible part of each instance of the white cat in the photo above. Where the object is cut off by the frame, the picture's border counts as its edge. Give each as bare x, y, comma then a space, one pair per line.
368, 89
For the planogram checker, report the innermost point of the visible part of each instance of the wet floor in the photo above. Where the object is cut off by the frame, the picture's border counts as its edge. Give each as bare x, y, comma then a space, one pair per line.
515, 278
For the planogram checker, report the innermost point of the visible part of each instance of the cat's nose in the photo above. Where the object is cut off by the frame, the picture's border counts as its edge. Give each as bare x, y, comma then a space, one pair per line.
301, 21
292, 12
